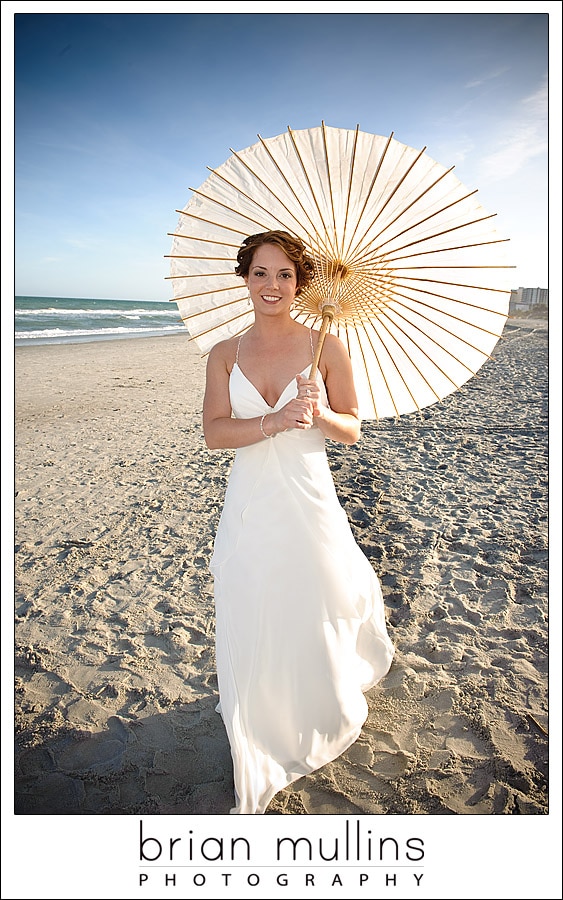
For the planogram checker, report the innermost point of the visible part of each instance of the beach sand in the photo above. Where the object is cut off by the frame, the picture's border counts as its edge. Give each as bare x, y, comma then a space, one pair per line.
117, 501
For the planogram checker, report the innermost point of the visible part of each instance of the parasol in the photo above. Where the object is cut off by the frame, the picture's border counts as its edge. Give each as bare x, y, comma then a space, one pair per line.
410, 272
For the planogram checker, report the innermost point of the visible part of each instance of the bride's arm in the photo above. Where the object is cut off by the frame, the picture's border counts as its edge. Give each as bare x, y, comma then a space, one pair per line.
220, 429
339, 421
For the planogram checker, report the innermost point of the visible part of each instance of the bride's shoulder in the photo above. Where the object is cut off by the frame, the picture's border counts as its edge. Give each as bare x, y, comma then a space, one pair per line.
225, 350
335, 348
223, 355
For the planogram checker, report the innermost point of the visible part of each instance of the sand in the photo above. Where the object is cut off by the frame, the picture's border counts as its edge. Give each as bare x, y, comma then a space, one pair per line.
117, 501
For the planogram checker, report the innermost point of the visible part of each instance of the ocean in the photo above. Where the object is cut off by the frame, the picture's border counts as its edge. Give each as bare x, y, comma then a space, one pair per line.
58, 320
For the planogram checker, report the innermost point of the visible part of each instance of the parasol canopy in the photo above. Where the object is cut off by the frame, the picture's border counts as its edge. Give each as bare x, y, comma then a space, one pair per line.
410, 272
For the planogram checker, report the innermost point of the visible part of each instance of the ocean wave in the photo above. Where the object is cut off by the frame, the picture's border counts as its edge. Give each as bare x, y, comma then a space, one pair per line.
91, 313
59, 333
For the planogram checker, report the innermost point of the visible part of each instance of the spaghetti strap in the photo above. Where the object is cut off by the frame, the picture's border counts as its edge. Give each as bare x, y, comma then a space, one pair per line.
238, 348
311, 339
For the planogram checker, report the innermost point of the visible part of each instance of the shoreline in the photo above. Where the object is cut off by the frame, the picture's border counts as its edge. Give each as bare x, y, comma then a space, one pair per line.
117, 503
146, 334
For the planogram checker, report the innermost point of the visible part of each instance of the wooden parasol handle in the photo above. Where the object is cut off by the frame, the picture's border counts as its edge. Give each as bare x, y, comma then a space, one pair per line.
328, 315
329, 309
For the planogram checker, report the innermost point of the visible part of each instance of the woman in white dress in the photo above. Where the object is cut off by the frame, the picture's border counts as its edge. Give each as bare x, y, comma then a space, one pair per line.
300, 622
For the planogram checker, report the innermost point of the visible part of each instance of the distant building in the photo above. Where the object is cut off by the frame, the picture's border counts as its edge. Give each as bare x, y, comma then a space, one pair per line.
523, 299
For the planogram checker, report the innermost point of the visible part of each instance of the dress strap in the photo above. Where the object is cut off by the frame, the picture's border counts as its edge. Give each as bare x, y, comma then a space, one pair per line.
238, 348
311, 339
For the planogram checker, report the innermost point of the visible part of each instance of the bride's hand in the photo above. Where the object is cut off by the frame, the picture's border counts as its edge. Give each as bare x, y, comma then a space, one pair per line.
298, 413
308, 389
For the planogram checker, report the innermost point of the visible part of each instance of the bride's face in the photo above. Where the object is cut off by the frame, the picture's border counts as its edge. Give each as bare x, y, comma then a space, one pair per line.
271, 280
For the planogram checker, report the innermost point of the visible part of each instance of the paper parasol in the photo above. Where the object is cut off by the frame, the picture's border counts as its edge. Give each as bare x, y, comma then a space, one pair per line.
411, 263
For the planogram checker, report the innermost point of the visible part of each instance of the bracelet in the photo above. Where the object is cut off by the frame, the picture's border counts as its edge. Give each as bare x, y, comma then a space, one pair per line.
262, 426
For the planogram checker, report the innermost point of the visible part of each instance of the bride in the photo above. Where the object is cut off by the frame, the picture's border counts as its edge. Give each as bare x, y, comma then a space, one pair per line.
300, 623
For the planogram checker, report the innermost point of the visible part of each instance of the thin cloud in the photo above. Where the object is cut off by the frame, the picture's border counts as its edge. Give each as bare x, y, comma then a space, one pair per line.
495, 74
81, 243
538, 102
524, 139
452, 151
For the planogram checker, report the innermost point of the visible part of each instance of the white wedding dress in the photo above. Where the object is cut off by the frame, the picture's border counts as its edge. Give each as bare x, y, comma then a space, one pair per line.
300, 622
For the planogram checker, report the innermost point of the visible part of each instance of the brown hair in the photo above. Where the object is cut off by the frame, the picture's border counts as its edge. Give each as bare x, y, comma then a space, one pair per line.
293, 248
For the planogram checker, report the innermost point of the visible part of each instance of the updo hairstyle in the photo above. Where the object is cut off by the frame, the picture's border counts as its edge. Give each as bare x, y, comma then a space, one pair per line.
293, 248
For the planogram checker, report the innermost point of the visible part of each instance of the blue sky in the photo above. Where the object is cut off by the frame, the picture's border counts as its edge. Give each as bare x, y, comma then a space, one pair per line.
118, 114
